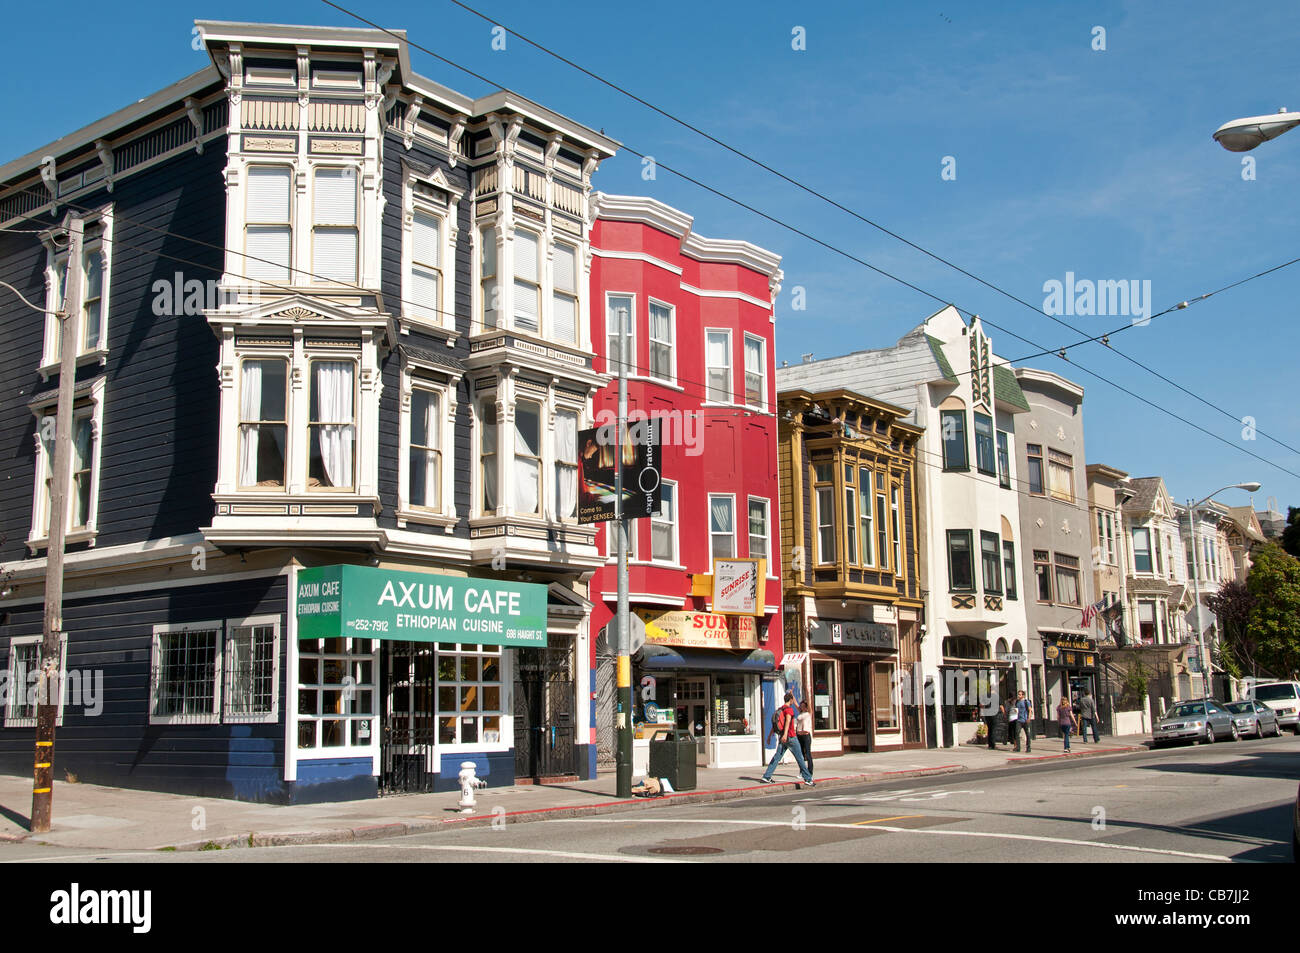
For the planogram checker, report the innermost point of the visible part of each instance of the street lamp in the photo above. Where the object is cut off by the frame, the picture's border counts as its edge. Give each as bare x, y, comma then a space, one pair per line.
1250, 487
1242, 135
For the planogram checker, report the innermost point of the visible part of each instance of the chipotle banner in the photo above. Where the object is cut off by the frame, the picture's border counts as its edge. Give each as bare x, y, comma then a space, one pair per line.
702, 630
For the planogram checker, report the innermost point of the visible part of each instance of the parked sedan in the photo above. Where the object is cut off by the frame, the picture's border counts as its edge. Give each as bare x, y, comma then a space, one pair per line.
1254, 718
1205, 721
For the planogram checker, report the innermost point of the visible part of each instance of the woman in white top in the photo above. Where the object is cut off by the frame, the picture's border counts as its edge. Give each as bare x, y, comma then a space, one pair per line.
803, 731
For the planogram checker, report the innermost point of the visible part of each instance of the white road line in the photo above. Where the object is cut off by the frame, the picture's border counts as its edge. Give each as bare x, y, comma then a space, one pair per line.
106, 854
574, 855
910, 830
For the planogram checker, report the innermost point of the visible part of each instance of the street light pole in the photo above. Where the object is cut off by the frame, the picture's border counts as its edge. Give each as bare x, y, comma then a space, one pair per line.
624, 710
50, 680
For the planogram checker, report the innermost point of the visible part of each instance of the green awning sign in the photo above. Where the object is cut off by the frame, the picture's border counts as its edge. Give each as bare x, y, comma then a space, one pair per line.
363, 602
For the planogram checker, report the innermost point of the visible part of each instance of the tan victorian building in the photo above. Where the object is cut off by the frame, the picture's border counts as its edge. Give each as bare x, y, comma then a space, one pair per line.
850, 574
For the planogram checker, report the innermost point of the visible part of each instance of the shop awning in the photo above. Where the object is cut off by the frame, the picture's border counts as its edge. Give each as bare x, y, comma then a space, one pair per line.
661, 657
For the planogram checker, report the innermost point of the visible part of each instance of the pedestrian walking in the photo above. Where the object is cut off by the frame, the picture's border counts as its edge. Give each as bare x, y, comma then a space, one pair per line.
1024, 711
1087, 717
991, 724
1013, 724
1065, 718
783, 726
803, 731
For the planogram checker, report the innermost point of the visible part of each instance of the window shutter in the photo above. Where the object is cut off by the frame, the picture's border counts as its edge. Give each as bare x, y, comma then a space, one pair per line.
525, 256
526, 306
267, 251
334, 254
268, 194
335, 200
565, 268
566, 318
425, 243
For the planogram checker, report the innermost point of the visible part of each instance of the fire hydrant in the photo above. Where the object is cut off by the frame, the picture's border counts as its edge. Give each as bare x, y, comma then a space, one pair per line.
468, 782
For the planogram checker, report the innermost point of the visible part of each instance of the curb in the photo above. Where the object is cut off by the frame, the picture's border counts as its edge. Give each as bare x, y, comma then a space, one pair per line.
1075, 754
460, 821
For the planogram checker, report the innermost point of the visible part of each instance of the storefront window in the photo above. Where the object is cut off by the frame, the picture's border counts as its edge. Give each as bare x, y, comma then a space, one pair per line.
882, 692
469, 694
336, 693
854, 698
824, 705
732, 705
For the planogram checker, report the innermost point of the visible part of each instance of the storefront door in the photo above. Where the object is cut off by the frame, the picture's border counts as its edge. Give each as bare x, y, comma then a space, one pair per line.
693, 714
409, 718
544, 722
857, 704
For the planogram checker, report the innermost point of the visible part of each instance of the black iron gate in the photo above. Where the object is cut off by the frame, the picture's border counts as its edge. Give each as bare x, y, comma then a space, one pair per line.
409, 718
545, 725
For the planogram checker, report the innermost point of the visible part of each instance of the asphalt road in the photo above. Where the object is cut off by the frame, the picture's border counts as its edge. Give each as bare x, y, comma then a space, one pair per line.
1224, 803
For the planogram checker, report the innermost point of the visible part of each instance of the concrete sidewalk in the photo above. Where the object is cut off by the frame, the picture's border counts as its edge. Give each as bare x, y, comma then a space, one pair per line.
96, 817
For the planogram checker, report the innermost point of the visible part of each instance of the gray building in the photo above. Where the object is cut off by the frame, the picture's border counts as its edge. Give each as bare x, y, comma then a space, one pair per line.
1056, 541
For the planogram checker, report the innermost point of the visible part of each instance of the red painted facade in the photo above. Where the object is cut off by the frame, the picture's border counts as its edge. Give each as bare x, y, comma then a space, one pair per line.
645, 250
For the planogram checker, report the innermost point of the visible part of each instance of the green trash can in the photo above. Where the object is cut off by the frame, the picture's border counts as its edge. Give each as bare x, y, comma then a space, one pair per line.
672, 756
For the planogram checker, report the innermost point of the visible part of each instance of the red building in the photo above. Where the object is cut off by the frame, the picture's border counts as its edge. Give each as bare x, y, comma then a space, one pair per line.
701, 316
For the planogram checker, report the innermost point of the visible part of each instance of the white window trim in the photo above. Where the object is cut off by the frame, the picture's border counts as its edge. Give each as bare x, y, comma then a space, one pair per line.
735, 520
155, 670
867, 492
38, 537
243, 261
12, 688
672, 343
260, 718
539, 283
445, 514
672, 560
816, 486
448, 236
551, 292
767, 530
551, 410
762, 354
708, 401
505, 741
99, 225
319, 752
365, 406
631, 337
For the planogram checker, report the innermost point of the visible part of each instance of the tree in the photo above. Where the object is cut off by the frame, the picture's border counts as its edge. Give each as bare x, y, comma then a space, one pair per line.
1238, 650
1274, 619
1291, 532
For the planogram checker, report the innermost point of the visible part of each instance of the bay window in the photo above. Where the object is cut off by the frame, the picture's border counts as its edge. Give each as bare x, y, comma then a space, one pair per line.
1141, 549
528, 457
1034, 454
991, 561
961, 566
1009, 567
882, 528
263, 422
566, 465
755, 372
985, 456
489, 302
717, 356
850, 518
564, 299
1004, 460
1060, 472
661, 341
894, 526
335, 236
864, 517
619, 320
824, 493
527, 284
487, 458
953, 428
268, 224
331, 426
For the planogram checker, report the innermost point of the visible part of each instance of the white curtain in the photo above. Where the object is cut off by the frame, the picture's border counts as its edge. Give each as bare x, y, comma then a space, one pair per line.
566, 471
527, 433
718, 358
250, 408
425, 475
334, 403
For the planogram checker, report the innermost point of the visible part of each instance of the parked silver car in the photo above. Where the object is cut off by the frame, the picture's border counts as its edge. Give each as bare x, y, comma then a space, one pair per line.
1254, 718
1204, 721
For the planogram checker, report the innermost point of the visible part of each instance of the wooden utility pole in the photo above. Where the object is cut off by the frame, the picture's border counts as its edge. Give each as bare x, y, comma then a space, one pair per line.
49, 687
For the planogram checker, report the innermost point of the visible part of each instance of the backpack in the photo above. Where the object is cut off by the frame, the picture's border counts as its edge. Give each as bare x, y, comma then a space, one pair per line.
778, 723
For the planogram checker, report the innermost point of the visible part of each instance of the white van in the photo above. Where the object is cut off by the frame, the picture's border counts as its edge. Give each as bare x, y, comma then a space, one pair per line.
1283, 698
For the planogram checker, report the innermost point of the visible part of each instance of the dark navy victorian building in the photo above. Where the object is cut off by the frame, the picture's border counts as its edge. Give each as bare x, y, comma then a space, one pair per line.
335, 313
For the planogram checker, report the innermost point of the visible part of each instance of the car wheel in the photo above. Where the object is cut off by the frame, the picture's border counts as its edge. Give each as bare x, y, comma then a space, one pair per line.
1236, 732
1156, 745
1209, 738
1259, 730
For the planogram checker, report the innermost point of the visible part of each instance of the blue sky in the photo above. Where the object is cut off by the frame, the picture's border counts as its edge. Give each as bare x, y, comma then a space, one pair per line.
1068, 159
